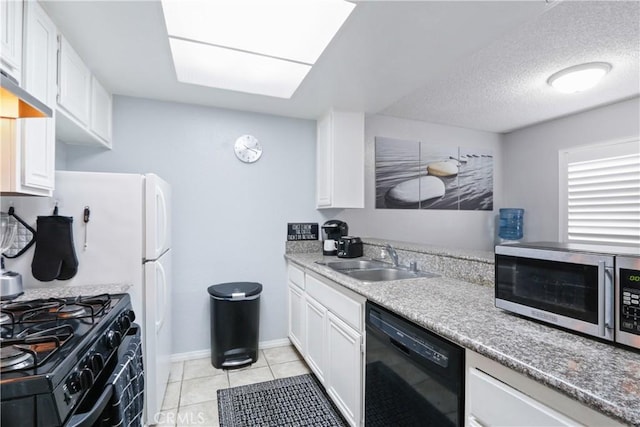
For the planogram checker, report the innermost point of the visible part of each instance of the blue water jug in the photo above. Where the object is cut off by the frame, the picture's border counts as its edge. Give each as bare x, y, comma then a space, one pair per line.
510, 223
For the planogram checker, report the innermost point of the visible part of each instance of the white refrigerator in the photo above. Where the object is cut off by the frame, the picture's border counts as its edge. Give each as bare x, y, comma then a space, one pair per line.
127, 240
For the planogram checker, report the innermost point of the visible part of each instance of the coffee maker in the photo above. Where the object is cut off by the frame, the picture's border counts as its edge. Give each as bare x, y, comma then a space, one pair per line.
333, 229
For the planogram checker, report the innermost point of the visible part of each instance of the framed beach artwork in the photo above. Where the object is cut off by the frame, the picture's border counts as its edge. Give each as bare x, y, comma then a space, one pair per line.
424, 175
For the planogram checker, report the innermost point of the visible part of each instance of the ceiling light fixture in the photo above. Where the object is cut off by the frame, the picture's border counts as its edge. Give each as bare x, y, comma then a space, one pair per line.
579, 77
229, 69
254, 46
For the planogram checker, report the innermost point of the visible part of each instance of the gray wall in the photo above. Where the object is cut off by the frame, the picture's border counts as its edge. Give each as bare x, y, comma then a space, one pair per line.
531, 170
229, 218
445, 228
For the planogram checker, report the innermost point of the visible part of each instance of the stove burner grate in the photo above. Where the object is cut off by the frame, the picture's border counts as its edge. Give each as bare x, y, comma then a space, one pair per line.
32, 348
55, 309
5, 318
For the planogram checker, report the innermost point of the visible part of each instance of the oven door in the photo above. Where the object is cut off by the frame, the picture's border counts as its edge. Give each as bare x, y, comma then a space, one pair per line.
573, 290
117, 396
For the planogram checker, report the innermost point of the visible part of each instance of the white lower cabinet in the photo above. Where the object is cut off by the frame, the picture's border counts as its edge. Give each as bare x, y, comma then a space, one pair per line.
331, 331
295, 282
315, 329
344, 377
296, 317
498, 396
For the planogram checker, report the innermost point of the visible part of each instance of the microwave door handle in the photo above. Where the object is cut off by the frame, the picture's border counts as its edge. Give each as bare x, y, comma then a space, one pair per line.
605, 297
601, 298
608, 299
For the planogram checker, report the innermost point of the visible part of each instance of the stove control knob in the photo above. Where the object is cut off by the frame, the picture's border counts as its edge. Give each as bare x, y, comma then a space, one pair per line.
96, 363
114, 338
125, 323
79, 381
130, 315
73, 383
86, 378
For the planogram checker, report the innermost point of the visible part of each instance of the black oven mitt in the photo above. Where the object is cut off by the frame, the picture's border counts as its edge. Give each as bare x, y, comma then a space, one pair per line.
55, 256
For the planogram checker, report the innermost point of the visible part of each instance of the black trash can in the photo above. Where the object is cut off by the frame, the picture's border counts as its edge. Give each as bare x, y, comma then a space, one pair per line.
235, 323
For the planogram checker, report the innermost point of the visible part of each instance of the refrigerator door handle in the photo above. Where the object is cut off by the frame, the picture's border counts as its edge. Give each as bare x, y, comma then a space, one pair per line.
161, 295
161, 214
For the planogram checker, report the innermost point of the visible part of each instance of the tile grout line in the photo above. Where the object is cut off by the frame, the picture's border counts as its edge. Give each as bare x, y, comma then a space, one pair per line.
228, 378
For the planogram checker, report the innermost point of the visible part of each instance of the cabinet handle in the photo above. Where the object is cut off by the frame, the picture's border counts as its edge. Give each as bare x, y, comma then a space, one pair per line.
474, 422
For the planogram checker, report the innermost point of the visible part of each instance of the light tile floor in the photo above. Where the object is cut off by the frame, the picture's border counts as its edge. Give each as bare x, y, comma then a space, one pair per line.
191, 397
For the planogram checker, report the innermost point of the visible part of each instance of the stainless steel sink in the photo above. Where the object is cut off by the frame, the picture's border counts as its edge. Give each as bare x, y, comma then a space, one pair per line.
369, 270
356, 264
391, 273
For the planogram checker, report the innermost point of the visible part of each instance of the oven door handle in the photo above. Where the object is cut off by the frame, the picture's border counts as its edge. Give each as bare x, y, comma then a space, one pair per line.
89, 418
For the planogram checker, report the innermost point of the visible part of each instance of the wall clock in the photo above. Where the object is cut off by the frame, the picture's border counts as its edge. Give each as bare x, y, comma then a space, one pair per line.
247, 148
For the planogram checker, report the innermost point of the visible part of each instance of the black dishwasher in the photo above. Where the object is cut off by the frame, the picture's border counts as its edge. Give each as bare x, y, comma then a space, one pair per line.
413, 377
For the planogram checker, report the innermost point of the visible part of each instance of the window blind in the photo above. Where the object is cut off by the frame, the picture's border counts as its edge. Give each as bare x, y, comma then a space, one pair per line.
603, 203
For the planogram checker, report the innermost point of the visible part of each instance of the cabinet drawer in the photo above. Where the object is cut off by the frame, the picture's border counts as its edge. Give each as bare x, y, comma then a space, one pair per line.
343, 305
495, 403
296, 276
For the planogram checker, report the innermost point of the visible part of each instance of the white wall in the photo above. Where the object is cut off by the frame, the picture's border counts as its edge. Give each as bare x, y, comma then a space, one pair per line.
460, 229
531, 160
229, 217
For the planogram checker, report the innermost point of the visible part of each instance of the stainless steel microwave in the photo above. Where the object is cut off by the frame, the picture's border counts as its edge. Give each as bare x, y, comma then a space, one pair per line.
590, 289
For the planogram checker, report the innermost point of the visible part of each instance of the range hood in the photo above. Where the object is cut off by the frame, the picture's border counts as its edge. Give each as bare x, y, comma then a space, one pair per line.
16, 103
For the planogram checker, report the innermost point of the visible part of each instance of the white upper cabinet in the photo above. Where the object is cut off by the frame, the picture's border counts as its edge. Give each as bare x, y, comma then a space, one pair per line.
101, 108
38, 135
340, 160
11, 37
28, 149
84, 105
74, 86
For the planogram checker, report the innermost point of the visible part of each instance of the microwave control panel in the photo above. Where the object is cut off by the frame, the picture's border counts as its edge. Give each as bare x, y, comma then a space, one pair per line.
630, 301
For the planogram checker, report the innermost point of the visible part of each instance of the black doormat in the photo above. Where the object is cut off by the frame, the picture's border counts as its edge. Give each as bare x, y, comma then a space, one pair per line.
293, 401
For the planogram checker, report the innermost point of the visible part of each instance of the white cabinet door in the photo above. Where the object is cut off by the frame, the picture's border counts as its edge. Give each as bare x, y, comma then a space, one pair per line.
498, 396
11, 37
315, 333
344, 368
340, 160
324, 166
38, 135
494, 403
74, 92
296, 318
101, 107
84, 105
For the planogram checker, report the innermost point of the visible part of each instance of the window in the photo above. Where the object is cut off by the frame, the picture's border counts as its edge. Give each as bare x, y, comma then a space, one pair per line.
600, 194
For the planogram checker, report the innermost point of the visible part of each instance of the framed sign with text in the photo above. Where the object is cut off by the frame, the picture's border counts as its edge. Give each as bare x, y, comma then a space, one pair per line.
302, 231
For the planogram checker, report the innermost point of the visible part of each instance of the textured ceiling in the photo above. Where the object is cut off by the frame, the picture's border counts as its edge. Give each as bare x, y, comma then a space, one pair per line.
503, 86
474, 64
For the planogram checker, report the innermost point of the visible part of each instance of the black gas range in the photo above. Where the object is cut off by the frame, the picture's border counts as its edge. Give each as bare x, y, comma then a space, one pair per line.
59, 357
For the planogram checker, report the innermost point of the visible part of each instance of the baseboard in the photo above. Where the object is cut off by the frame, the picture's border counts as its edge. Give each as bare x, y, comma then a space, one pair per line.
274, 343
201, 354
190, 355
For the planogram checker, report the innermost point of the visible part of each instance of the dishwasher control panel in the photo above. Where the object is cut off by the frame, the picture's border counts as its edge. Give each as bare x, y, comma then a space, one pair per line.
409, 341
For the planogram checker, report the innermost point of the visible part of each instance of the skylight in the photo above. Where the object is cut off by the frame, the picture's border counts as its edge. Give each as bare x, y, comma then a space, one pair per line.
256, 46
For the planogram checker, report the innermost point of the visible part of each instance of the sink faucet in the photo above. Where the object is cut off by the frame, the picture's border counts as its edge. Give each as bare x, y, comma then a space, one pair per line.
392, 254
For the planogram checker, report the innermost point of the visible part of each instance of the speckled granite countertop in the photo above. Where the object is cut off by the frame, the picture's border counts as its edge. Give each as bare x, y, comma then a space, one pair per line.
602, 376
72, 291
